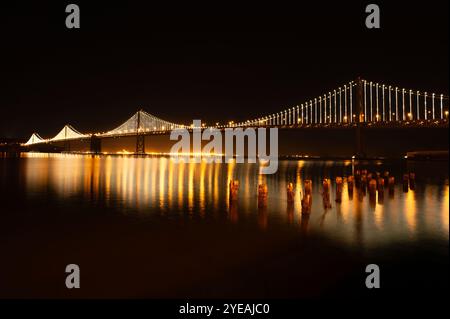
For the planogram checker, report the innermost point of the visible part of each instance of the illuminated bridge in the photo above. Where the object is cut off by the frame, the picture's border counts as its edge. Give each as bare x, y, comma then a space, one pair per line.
356, 105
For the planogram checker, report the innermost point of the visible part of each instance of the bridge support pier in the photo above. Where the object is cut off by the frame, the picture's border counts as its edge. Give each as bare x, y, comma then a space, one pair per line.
359, 141
66, 146
140, 144
96, 145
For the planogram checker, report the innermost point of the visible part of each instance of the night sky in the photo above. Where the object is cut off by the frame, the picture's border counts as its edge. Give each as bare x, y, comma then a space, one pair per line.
218, 63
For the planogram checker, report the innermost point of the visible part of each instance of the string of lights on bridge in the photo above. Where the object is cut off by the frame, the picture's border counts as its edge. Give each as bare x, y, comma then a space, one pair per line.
381, 104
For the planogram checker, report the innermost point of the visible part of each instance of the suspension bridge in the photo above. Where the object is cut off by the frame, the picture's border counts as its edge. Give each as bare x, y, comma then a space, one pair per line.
358, 104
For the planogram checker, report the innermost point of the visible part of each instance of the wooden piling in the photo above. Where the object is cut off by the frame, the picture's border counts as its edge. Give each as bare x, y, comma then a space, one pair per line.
372, 185
386, 177
363, 184
306, 204
380, 188
262, 194
380, 184
372, 189
290, 193
326, 193
391, 184
326, 185
308, 187
306, 201
234, 190
350, 182
405, 183
412, 181
357, 178
339, 187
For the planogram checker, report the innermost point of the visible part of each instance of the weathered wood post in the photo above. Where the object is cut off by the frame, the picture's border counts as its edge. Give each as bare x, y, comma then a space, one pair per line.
412, 181
405, 183
350, 185
308, 187
339, 186
386, 177
307, 197
363, 184
326, 193
234, 190
380, 187
357, 178
372, 189
391, 185
380, 184
262, 195
290, 193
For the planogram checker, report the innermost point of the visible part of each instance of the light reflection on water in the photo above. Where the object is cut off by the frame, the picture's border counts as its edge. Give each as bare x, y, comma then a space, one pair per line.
158, 186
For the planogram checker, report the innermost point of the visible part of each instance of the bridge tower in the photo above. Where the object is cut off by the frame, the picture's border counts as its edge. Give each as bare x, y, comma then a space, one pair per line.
359, 118
140, 137
66, 141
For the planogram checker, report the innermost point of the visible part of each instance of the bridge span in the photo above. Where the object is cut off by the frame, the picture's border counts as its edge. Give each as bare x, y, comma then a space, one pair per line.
357, 116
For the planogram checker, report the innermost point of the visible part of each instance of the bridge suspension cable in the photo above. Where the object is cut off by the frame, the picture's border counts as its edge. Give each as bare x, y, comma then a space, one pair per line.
35, 138
142, 122
67, 133
379, 103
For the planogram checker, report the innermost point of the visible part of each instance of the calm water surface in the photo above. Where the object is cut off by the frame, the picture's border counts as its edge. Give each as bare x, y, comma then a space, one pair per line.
52, 187
150, 187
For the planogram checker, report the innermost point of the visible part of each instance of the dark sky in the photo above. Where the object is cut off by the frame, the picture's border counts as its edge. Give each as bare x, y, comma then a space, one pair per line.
217, 62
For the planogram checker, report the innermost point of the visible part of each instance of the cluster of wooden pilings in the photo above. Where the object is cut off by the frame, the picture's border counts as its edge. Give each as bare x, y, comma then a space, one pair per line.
362, 181
409, 181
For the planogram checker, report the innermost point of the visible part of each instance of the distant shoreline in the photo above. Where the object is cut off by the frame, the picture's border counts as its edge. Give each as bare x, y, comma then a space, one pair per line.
442, 155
